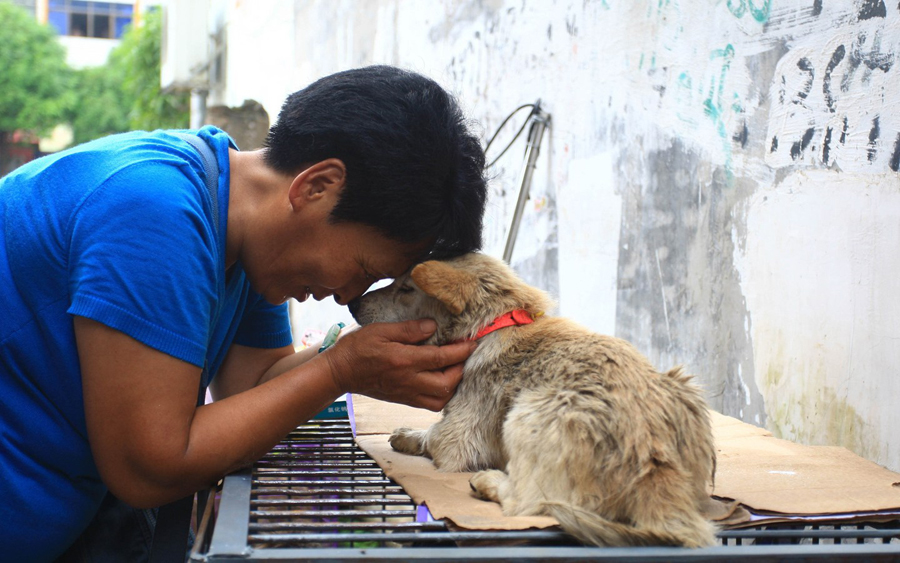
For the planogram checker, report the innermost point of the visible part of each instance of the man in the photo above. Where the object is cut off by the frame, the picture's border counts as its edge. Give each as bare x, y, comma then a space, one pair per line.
120, 289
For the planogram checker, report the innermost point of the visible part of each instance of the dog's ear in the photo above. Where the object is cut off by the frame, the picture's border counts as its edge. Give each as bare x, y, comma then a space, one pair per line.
450, 286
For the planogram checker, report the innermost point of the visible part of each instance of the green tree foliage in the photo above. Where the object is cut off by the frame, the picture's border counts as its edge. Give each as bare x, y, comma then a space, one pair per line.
137, 62
125, 94
34, 77
38, 90
101, 106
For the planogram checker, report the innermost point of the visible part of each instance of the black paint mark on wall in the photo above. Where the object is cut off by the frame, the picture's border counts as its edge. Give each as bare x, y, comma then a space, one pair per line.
571, 28
872, 9
853, 62
848, 70
800, 146
873, 139
895, 158
817, 7
741, 136
806, 66
873, 60
826, 146
836, 58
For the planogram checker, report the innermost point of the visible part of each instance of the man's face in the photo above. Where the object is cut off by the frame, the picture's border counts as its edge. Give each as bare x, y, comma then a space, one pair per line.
333, 259
348, 262
293, 249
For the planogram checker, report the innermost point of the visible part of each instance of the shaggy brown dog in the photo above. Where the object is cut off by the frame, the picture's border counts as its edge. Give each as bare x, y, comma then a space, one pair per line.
559, 420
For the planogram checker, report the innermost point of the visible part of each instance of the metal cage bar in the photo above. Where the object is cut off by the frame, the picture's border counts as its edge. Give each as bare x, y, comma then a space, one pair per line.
318, 497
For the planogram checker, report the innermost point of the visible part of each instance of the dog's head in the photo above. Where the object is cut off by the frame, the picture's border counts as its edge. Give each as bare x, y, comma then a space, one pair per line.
462, 295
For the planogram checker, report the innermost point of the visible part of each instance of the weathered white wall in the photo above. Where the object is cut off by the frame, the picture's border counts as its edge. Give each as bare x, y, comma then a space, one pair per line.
719, 185
819, 275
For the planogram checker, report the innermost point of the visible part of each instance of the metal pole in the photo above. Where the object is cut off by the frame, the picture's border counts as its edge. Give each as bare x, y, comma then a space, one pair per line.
532, 150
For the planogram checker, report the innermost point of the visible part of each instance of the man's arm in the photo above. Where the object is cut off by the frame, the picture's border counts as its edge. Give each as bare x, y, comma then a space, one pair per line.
150, 441
246, 367
152, 444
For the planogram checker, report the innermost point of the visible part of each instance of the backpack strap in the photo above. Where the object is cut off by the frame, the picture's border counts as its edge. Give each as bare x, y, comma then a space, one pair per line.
170, 538
210, 166
211, 169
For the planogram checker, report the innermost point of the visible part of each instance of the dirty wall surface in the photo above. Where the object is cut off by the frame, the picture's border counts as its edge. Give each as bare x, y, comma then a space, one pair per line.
719, 184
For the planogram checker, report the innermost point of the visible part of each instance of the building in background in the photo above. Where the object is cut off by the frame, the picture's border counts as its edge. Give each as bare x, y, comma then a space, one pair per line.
88, 30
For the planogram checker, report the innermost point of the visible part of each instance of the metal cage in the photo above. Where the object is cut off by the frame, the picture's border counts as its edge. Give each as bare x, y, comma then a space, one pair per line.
318, 497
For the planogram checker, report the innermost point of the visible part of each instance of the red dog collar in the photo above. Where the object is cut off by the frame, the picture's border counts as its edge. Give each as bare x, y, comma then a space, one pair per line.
518, 317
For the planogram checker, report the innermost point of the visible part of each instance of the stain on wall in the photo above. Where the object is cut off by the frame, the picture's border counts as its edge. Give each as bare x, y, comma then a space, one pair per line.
679, 295
816, 276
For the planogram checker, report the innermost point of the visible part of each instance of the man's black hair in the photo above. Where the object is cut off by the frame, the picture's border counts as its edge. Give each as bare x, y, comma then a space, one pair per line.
414, 170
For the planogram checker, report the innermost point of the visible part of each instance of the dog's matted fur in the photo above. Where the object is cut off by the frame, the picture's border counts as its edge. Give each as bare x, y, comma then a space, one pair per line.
557, 420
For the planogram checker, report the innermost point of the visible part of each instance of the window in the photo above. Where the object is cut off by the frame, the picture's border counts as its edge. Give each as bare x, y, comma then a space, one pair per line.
77, 18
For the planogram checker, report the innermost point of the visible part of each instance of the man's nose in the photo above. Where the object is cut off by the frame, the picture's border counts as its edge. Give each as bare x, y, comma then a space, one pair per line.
346, 295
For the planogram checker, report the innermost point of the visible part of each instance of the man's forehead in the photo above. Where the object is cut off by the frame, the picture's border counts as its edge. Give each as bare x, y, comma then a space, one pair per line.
408, 255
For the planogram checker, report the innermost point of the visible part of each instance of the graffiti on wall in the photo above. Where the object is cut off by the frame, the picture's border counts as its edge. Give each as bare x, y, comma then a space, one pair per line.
706, 87
757, 9
836, 100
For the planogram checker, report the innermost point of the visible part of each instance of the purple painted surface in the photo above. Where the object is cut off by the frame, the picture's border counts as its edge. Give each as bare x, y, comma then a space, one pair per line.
350, 414
423, 514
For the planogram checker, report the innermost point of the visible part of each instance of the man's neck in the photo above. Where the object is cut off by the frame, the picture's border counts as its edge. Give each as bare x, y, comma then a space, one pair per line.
253, 195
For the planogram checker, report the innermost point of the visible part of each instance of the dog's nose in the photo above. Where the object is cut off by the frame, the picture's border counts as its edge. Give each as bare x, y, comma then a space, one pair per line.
353, 306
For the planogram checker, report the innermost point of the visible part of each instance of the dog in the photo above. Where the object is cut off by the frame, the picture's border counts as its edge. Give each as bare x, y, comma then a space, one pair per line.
556, 420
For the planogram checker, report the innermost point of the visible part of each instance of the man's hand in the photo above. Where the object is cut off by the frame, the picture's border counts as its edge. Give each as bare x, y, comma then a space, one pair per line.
383, 361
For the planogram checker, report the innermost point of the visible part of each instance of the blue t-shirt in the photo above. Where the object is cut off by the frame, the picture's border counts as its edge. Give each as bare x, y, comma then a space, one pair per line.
118, 230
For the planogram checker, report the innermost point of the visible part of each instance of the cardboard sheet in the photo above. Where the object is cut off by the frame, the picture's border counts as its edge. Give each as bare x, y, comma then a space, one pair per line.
771, 479
779, 476
378, 417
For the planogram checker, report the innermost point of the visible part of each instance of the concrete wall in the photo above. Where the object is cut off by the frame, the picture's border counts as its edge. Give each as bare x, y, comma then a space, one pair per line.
719, 184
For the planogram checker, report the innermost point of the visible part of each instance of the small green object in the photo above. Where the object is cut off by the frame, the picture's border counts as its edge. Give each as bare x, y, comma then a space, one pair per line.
331, 336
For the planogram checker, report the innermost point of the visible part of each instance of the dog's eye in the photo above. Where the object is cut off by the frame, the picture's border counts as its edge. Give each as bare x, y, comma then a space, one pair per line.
405, 289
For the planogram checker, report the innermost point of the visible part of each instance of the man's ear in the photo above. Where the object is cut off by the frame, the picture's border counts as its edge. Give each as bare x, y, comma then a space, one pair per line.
451, 286
321, 180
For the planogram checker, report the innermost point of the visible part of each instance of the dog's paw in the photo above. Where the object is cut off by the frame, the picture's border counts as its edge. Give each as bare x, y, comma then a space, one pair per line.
408, 441
485, 484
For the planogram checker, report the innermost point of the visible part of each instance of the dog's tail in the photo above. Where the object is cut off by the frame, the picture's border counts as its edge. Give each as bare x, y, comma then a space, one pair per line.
591, 528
